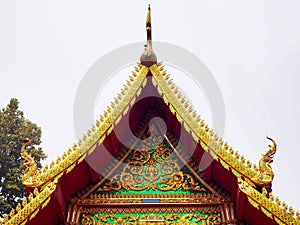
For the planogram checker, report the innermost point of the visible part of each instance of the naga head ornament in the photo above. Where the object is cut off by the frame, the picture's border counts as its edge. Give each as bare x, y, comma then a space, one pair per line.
265, 174
269, 155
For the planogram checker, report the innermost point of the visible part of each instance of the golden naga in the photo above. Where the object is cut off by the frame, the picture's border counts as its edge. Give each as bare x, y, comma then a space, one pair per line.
30, 176
265, 174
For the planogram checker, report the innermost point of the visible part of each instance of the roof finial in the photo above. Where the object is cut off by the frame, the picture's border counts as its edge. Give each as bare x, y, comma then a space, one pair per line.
148, 25
148, 58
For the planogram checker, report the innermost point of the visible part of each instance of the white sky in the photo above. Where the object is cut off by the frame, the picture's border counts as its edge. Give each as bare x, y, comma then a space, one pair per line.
251, 47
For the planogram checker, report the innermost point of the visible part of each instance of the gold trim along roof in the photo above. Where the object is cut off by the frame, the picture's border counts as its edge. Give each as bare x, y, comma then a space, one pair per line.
243, 169
271, 206
30, 206
96, 135
200, 131
230, 159
45, 178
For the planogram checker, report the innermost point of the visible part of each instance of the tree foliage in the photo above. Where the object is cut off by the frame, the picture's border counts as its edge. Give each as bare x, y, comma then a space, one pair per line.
14, 128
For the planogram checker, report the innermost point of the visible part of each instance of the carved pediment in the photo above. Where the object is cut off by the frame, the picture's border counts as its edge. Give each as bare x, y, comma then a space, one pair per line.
154, 181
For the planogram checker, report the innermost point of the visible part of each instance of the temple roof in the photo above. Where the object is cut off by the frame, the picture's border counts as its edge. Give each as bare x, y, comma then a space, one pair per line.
46, 178
47, 183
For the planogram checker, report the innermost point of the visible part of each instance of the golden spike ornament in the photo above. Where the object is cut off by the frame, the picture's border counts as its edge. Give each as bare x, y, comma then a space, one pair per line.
148, 58
265, 173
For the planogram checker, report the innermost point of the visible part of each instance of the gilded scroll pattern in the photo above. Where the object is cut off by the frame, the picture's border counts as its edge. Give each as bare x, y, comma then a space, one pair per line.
152, 167
163, 219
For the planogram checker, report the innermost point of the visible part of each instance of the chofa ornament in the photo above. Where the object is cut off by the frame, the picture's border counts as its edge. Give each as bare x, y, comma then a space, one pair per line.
265, 172
30, 174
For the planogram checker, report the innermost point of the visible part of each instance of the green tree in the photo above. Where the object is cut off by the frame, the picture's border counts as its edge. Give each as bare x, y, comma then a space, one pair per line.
14, 128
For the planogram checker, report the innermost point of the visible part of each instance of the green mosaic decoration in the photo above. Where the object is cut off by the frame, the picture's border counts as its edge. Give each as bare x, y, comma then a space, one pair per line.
153, 168
147, 185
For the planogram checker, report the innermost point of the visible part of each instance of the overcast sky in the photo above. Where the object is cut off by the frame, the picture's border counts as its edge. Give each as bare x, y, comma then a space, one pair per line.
251, 47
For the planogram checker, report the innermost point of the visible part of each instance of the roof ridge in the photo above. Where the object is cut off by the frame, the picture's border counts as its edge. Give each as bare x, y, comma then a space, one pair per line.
206, 137
102, 127
231, 160
200, 131
44, 177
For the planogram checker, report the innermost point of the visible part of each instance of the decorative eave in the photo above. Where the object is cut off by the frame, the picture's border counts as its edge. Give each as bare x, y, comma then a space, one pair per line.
44, 178
94, 136
30, 206
243, 169
271, 206
200, 131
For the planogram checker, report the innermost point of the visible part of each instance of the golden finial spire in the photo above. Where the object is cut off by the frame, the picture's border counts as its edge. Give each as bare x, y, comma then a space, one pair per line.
148, 58
148, 25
